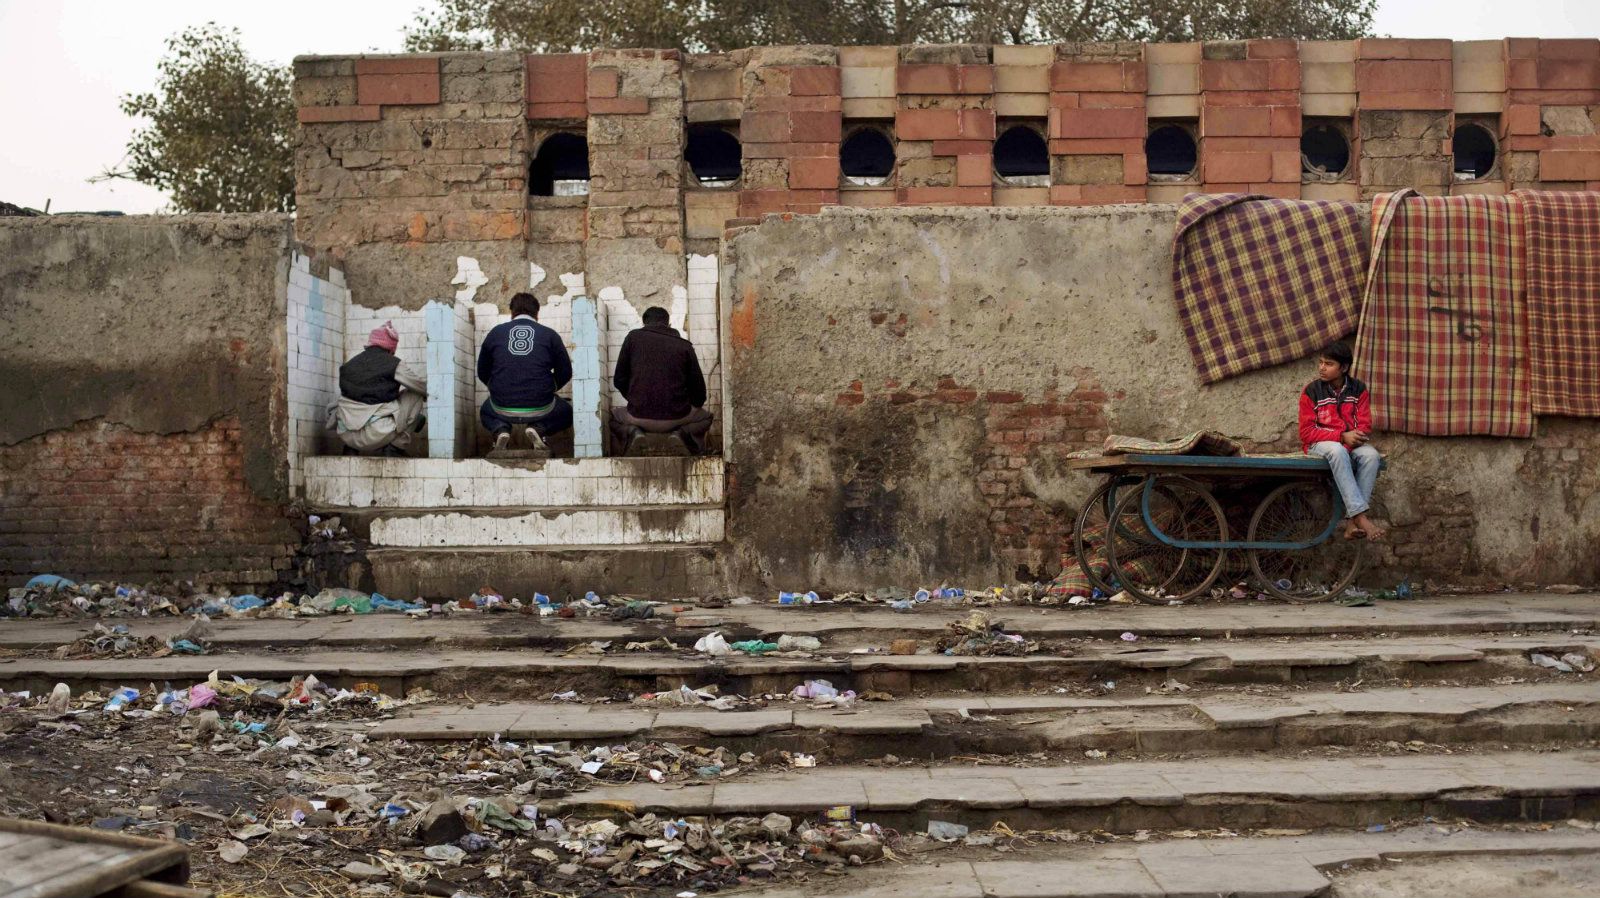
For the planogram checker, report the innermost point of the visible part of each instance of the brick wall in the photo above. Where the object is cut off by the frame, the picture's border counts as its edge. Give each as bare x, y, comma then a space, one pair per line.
100, 501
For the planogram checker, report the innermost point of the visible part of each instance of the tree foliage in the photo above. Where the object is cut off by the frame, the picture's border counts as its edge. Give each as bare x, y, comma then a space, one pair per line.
710, 25
220, 136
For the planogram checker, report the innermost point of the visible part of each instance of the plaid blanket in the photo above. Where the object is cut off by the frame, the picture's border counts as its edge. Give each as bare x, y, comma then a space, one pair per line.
1563, 253
1443, 342
1262, 281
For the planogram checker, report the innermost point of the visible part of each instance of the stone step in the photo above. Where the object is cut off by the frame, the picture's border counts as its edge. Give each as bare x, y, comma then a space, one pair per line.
340, 483
525, 674
1261, 867
647, 570
966, 725
837, 626
1127, 796
566, 527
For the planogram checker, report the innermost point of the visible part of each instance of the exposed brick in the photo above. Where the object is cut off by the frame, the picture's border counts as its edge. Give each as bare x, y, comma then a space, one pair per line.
397, 90
814, 81
1250, 74
1227, 167
604, 83
557, 78
1090, 76
619, 106
1111, 101
1403, 48
1434, 99
1569, 165
558, 110
1100, 123
814, 173
1061, 147
1236, 121
1285, 121
1113, 193
1252, 98
1522, 120
960, 147
308, 115
401, 65
1569, 48
928, 124
939, 196
764, 127
1568, 74
1279, 48
974, 170
815, 126
928, 79
1403, 75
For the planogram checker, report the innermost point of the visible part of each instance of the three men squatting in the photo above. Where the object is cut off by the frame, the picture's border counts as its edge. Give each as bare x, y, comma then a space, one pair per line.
524, 363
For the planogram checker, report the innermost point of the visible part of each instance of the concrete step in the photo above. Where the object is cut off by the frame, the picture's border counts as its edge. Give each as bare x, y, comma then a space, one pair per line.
1124, 797
341, 483
837, 626
1263, 867
523, 674
943, 727
660, 570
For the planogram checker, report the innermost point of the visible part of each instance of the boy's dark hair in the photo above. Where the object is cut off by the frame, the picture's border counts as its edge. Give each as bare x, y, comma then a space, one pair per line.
655, 315
1339, 352
524, 304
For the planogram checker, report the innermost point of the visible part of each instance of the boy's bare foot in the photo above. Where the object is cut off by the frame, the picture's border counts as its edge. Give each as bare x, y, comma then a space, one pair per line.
1368, 529
1352, 530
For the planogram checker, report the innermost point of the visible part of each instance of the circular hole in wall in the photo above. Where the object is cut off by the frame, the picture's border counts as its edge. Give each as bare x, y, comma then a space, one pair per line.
1170, 151
1021, 156
1324, 150
866, 157
1474, 150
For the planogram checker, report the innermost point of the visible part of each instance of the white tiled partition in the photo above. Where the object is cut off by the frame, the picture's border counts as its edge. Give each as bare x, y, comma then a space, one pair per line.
451, 359
316, 342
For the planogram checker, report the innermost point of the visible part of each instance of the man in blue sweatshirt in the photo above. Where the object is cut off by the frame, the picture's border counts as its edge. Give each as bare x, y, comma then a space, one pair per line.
524, 363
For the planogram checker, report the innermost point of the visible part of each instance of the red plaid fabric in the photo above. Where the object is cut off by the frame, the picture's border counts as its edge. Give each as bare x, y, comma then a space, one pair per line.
1444, 342
1263, 281
1563, 234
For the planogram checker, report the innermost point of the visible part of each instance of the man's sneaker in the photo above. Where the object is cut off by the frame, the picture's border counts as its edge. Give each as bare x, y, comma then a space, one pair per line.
421, 425
502, 440
536, 442
690, 442
393, 451
634, 433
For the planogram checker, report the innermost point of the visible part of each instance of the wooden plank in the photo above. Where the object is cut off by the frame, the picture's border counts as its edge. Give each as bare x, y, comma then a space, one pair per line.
51, 860
144, 888
68, 862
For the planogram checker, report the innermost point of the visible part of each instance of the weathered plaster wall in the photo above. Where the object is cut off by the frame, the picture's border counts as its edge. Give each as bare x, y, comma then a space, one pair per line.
906, 383
144, 356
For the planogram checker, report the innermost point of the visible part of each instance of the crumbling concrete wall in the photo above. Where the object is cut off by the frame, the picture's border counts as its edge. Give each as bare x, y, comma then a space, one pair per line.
906, 386
142, 426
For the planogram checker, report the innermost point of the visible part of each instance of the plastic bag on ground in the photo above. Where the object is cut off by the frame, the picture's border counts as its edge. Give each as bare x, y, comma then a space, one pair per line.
714, 645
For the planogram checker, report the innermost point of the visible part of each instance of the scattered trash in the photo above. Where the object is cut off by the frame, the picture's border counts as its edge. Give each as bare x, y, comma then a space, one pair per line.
60, 700
232, 852
1130, 637
1542, 660
750, 646
946, 832
122, 698
798, 643
903, 647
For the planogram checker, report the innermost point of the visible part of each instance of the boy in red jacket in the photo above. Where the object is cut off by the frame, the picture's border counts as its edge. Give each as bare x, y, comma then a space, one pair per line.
1336, 424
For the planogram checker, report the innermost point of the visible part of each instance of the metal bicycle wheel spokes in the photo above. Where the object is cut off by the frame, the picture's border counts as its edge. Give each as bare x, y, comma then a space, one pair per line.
1089, 537
1145, 562
1300, 512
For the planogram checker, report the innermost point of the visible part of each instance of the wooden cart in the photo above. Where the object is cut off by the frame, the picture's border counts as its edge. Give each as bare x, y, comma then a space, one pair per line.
1155, 526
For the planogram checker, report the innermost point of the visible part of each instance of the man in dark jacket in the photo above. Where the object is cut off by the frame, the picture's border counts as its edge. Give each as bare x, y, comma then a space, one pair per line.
380, 398
524, 363
659, 374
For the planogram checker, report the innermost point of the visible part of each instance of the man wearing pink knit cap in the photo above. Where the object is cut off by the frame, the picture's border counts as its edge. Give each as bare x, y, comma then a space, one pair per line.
380, 398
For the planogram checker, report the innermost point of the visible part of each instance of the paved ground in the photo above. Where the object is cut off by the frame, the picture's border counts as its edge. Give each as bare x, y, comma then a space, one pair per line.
1283, 867
1298, 726
1506, 612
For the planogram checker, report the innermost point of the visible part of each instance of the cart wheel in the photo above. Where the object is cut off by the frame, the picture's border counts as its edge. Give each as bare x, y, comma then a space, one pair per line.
1296, 512
1089, 537
1154, 571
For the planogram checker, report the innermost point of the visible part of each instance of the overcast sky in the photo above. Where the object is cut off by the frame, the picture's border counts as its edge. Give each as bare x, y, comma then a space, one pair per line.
68, 61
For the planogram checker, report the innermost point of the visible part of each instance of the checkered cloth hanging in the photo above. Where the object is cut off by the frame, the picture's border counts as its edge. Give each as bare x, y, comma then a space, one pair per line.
1263, 281
1563, 247
1444, 342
